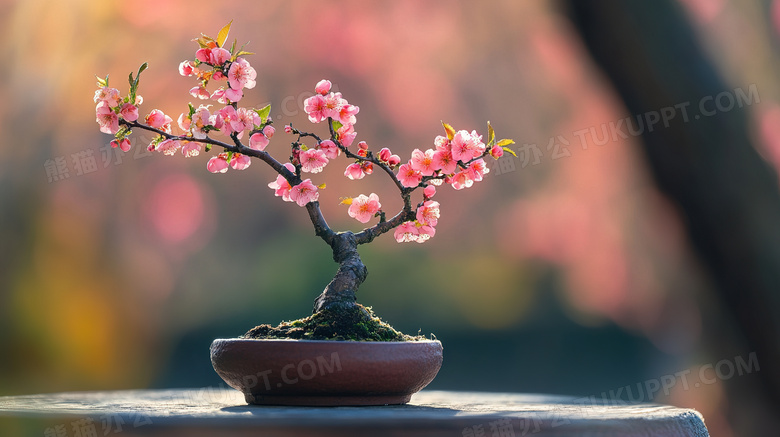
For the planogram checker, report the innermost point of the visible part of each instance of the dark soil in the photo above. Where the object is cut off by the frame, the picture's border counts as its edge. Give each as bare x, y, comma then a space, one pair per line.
353, 322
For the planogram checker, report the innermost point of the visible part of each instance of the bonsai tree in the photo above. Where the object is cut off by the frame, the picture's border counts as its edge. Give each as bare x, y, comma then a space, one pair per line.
456, 159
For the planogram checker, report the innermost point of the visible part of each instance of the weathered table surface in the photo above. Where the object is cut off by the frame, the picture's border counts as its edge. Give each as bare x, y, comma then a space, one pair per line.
222, 412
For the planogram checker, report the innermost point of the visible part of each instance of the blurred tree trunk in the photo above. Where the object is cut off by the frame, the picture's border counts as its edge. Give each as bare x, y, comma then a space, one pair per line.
728, 196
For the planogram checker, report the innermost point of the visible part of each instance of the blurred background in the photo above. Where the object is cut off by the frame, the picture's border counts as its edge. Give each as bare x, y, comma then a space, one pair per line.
611, 252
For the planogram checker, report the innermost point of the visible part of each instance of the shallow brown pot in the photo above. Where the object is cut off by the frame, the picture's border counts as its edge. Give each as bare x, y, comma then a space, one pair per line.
314, 372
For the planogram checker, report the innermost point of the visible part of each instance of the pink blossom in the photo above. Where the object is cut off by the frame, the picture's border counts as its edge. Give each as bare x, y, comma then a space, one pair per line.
313, 160
330, 148
354, 171
190, 149
200, 119
443, 160
227, 114
244, 120
322, 87
333, 105
315, 108
203, 55
347, 135
129, 112
288, 129
218, 164
199, 92
423, 162
240, 162
241, 75
169, 147
157, 119
219, 95
393, 160
107, 118
217, 76
138, 100
408, 176
219, 56
347, 114
478, 169
441, 143
184, 121
281, 187
364, 208
363, 145
108, 95
428, 213
429, 191
384, 154
234, 95
123, 144
406, 232
497, 152
185, 68
258, 141
269, 131
467, 146
304, 193
461, 180
425, 233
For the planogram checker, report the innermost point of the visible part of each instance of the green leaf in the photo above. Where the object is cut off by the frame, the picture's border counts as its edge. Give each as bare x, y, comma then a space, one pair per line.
192, 110
223, 34
102, 82
132, 82
233, 47
244, 53
449, 129
491, 135
264, 113
229, 157
337, 125
208, 147
510, 151
505, 142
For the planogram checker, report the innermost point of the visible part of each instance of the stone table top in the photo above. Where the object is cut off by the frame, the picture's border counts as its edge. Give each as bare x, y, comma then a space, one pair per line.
223, 412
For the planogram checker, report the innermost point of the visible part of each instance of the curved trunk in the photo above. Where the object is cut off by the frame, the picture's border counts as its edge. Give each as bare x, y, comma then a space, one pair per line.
341, 291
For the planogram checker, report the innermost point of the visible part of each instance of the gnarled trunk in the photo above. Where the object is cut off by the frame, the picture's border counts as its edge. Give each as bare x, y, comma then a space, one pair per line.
341, 291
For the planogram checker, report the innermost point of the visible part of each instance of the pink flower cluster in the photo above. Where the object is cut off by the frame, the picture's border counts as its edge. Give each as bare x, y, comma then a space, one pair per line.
326, 104
224, 66
301, 194
111, 107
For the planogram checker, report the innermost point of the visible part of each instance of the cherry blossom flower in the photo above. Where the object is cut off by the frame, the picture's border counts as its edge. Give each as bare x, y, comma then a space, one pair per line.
443, 160
129, 112
354, 171
333, 104
423, 162
157, 119
185, 68
190, 149
108, 95
218, 164
315, 108
288, 129
313, 160
241, 75
497, 152
219, 95
243, 120
363, 207
428, 213
184, 121
233, 95
478, 169
123, 144
406, 232
347, 114
408, 176
429, 191
107, 119
467, 146
258, 141
200, 119
304, 193
219, 56
347, 135
200, 92
240, 162
330, 148
281, 187
203, 55
425, 233
322, 87
269, 131
169, 147
461, 180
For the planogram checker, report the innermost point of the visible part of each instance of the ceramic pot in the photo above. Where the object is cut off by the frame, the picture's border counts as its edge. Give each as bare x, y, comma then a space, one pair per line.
318, 372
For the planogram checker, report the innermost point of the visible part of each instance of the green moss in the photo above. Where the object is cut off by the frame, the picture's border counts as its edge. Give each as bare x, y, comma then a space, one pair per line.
352, 323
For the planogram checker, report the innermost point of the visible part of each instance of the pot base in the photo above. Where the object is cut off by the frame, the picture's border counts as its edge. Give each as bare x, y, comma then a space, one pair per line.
326, 373
327, 401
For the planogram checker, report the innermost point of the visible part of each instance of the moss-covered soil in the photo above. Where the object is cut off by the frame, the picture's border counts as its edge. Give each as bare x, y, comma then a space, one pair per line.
354, 323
